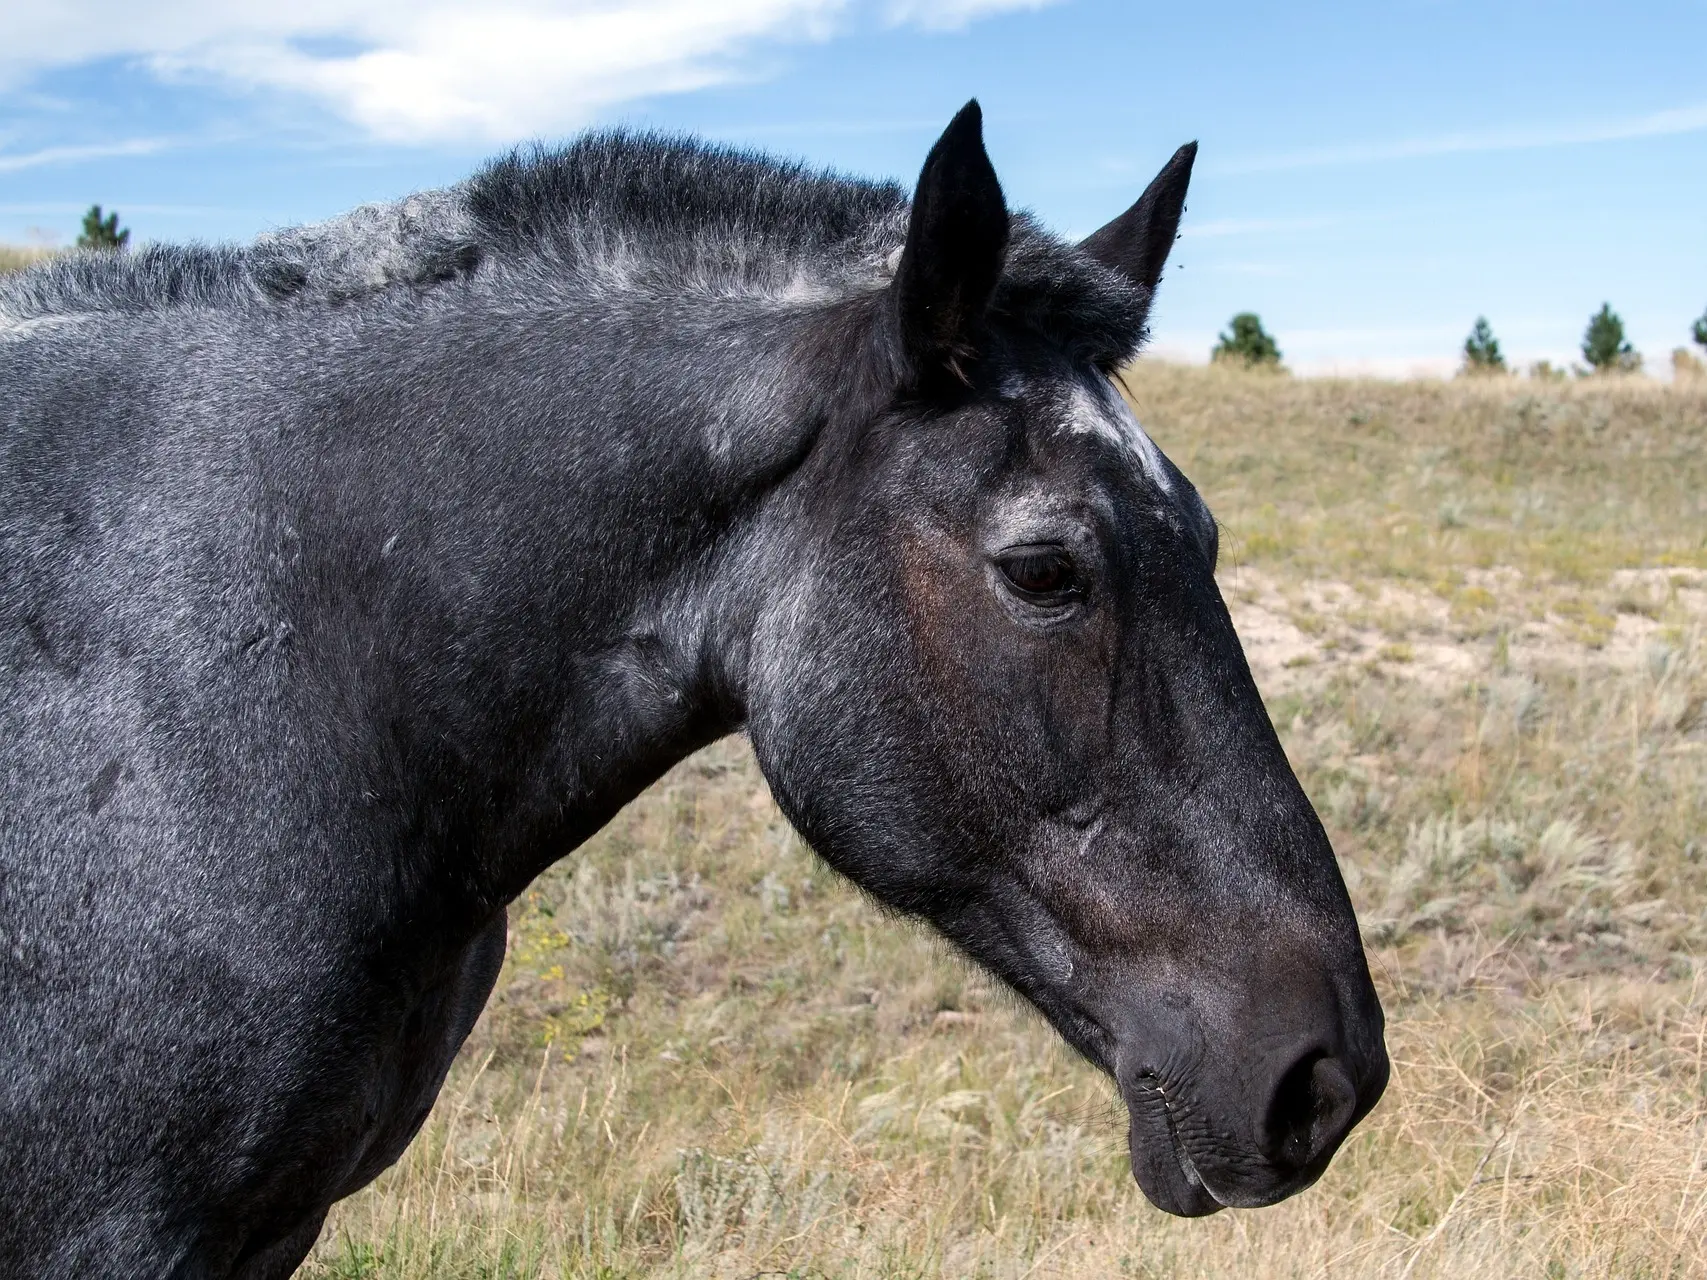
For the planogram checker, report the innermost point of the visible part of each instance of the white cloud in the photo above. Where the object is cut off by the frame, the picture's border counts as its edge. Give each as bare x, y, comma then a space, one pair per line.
449, 69
1215, 228
1256, 270
95, 151
55, 207
1657, 124
951, 15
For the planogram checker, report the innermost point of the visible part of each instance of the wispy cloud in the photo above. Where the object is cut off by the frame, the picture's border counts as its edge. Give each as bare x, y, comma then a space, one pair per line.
951, 15
54, 208
1257, 270
413, 71
931, 125
93, 151
1658, 124
1374, 335
1216, 228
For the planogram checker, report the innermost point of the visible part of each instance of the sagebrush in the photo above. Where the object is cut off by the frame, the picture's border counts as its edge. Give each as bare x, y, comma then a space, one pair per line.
1477, 610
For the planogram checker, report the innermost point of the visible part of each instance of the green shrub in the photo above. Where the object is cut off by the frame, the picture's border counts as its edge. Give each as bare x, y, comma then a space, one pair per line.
1698, 330
1604, 345
102, 233
1247, 344
1482, 350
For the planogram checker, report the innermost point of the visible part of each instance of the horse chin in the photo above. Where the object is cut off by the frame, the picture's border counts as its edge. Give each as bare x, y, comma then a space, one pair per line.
1163, 1169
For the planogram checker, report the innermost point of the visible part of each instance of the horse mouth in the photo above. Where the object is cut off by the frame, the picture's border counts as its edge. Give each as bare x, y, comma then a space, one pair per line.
1160, 1162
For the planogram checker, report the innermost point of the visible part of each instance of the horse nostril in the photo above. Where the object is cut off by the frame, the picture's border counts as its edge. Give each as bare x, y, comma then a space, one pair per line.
1311, 1110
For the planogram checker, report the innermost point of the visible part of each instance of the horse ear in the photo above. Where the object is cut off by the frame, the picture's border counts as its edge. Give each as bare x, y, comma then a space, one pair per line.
957, 239
1136, 243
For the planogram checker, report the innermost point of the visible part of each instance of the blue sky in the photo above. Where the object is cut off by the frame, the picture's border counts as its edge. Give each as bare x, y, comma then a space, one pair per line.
1372, 177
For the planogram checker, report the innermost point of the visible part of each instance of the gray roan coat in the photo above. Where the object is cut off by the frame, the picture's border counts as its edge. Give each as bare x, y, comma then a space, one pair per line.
350, 578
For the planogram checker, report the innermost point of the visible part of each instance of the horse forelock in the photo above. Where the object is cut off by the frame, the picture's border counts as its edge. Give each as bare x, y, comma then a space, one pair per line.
610, 212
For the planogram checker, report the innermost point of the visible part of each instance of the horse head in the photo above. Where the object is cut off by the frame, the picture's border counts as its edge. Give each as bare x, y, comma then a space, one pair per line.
994, 683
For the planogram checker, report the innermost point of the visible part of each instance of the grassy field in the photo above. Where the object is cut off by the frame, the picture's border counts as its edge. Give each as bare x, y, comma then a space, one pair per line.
13, 257
1477, 611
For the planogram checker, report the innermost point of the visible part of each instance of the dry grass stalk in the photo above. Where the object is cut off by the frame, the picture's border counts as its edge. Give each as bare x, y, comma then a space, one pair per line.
16, 257
1478, 609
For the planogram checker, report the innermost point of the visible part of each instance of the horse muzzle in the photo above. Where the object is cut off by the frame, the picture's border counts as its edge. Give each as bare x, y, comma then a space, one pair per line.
1205, 1144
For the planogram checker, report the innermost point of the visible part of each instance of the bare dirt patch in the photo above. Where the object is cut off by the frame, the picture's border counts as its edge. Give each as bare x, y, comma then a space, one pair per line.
1479, 614
1296, 632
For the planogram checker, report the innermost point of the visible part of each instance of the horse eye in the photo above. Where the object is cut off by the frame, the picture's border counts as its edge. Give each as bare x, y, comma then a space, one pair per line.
1039, 571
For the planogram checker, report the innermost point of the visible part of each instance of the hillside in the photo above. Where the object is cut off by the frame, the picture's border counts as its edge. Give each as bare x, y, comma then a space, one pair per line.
1477, 611
13, 257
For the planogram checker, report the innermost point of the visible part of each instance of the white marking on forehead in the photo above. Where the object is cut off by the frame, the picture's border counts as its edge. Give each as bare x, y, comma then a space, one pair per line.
1108, 415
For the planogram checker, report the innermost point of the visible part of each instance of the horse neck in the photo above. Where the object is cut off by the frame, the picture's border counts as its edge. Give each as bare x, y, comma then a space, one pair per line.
570, 621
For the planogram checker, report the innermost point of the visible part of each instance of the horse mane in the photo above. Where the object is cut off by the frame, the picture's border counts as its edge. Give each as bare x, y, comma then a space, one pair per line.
613, 210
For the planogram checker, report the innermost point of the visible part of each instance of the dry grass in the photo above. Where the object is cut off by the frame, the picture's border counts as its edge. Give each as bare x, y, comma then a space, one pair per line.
15, 257
1478, 609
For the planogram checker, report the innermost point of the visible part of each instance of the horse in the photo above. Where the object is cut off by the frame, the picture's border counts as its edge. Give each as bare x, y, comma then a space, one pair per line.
351, 577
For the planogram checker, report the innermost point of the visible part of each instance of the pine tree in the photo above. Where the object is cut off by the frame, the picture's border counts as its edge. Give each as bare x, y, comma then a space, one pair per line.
102, 233
1247, 344
1698, 330
1604, 346
1482, 350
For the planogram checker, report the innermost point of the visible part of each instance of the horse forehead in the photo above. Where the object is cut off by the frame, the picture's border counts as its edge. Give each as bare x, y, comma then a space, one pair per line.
1100, 411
